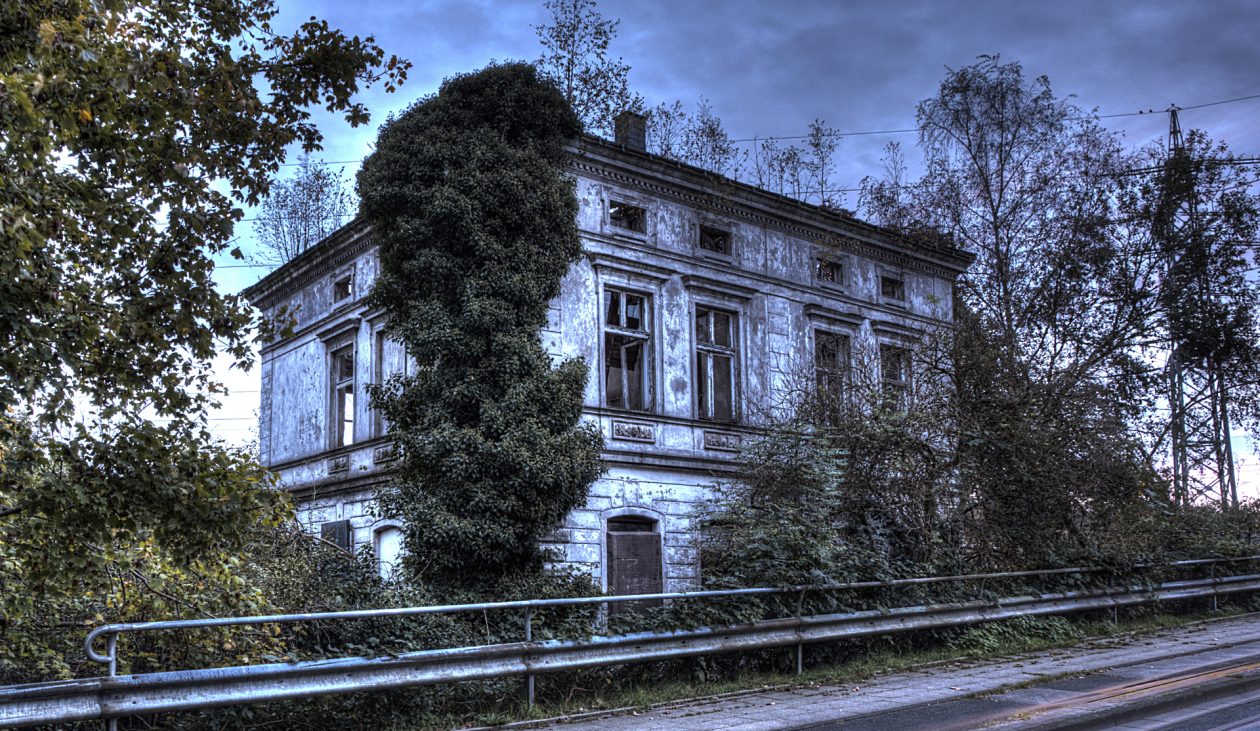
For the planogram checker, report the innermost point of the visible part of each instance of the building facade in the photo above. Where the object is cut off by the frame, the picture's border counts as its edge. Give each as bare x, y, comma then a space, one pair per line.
701, 303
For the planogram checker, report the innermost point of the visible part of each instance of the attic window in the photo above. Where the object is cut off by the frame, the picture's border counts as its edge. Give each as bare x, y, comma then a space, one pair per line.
892, 288
829, 272
715, 240
343, 287
628, 217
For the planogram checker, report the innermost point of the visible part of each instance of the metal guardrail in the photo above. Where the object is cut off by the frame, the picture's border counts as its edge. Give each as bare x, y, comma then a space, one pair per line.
115, 696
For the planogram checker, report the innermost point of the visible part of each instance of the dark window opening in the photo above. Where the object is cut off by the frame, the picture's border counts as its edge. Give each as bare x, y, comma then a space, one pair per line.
829, 271
715, 365
337, 533
624, 215
892, 288
634, 562
627, 322
715, 240
343, 289
894, 369
831, 365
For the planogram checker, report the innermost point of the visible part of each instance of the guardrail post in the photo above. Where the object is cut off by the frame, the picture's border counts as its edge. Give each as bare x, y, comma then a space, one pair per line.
112, 724
1214, 586
529, 637
800, 646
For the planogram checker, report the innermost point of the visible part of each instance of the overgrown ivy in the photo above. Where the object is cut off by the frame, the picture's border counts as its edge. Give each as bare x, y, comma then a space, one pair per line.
475, 219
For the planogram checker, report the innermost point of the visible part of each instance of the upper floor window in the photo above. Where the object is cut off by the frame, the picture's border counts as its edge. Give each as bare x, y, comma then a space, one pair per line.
892, 288
827, 271
627, 344
628, 217
831, 363
894, 371
715, 364
715, 241
343, 287
343, 396
379, 373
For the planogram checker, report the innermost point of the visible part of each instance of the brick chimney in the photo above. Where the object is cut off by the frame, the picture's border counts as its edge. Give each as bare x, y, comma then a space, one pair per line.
630, 131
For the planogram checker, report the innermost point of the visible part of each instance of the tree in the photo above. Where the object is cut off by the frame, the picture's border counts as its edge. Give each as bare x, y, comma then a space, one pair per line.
575, 57
1053, 311
300, 212
122, 124
475, 217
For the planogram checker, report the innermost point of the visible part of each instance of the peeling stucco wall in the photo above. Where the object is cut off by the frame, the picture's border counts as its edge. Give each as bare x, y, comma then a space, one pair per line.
662, 462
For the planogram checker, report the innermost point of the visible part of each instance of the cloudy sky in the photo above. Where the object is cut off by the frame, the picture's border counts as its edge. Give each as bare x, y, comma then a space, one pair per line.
770, 68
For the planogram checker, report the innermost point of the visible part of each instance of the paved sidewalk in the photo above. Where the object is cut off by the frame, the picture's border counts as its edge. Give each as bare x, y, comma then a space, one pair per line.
826, 705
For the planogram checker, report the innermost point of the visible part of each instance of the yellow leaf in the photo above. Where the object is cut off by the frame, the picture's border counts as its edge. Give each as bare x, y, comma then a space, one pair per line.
47, 32
85, 115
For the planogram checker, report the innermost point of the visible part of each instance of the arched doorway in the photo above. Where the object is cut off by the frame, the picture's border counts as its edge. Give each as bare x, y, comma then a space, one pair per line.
633, 560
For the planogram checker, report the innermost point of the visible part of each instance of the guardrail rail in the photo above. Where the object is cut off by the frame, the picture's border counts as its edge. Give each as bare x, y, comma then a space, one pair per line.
114, 696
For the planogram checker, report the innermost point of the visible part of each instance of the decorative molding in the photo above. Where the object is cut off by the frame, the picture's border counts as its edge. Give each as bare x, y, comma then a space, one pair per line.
340, 463
339, 329
384, 454
634, 431
821, 312
718, 288
895, 329
722, 441
630, 267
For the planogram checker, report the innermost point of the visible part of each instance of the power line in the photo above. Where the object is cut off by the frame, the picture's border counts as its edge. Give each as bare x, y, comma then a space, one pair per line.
862, 133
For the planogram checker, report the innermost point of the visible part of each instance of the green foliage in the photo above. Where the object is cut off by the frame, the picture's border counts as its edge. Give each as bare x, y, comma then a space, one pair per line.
122, 124
1020, 632
474, 216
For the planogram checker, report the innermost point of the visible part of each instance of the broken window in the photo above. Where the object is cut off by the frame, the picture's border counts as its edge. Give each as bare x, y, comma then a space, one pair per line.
343, 396
627, 327
892, 288
831, 364
634, 562
715, 240
628, 217
894, 369
715, 364
343, 287
379, 373
828, 271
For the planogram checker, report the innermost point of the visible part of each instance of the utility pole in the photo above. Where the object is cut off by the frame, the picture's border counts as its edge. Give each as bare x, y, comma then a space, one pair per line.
1198, 395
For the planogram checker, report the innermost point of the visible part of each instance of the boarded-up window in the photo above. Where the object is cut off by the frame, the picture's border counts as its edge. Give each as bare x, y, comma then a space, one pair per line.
634, 562
337, 533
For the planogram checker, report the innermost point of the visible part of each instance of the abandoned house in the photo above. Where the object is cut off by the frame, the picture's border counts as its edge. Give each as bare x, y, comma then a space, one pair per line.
698, 300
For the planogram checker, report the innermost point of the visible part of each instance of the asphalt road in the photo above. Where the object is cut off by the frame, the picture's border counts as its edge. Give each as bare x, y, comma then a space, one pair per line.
1198, 677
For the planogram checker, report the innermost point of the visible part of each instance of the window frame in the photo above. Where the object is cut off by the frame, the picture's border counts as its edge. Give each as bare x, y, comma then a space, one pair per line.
899, 280
345, 276
714, 227
644, 336
900, 389
337, 384
704, 355
840, 266
616, 201
842, 371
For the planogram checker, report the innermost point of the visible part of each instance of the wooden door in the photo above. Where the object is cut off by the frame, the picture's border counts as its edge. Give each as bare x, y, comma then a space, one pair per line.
634, 562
